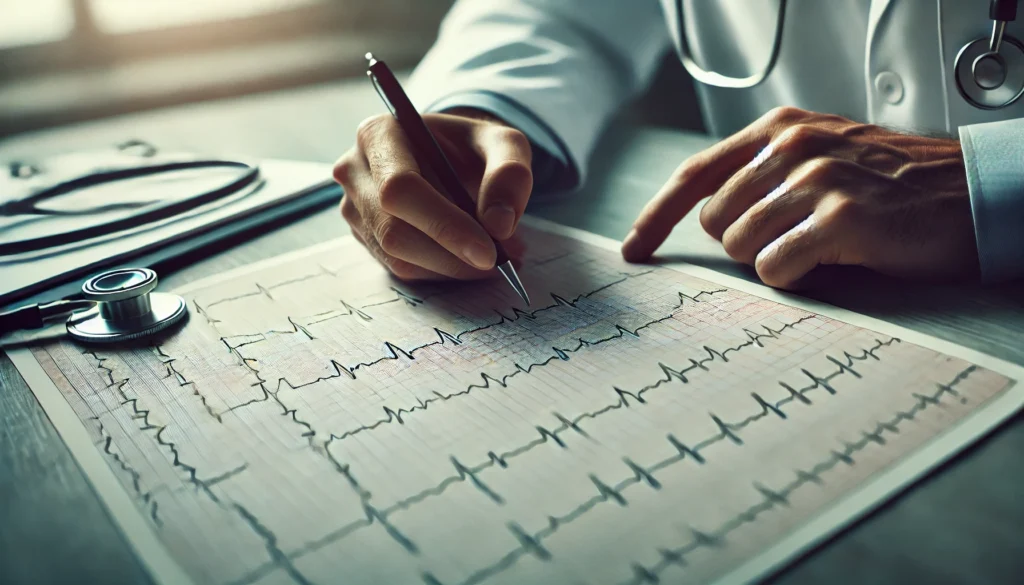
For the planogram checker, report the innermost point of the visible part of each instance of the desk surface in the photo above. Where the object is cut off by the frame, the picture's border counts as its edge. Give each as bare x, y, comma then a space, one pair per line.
962, 525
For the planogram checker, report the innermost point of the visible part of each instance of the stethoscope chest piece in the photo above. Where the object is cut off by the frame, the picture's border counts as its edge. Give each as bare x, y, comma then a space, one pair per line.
987, 79
126, 308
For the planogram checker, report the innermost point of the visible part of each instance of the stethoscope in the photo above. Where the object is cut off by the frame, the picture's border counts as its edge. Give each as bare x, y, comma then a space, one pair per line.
142, 213
117, 306
980, 70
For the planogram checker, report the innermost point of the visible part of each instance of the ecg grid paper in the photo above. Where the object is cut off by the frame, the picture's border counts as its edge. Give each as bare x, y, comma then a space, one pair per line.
319, 422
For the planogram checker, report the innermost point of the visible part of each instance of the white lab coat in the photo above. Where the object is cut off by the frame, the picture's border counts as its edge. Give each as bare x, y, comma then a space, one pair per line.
561, 68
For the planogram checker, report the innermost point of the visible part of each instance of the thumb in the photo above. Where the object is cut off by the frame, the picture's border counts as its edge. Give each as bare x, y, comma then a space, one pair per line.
507, 180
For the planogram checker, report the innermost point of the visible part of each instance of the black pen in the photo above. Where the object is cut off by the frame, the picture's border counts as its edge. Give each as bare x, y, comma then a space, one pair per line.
429, 152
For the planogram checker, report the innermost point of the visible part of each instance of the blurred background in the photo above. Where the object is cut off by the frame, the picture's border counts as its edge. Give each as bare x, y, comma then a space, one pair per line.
64, 61
69, 60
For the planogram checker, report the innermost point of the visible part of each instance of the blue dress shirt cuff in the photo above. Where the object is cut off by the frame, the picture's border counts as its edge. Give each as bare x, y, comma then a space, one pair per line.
552, 169
994, 157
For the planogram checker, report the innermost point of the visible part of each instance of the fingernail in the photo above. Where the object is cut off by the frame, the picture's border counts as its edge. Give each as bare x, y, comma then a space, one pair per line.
631, 245
499, 219
479, 255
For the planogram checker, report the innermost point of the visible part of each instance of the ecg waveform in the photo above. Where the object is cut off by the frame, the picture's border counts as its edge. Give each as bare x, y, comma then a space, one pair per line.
726, 431
518, 427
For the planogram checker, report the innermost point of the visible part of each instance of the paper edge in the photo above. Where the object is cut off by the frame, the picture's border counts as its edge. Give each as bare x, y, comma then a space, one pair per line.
141, 536
872, 493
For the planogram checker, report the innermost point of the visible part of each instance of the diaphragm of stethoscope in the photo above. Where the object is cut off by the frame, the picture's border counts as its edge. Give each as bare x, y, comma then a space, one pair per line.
988, 81
126, 308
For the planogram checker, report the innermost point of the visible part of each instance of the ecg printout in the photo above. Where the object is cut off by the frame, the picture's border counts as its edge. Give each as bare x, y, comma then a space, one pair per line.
319, 422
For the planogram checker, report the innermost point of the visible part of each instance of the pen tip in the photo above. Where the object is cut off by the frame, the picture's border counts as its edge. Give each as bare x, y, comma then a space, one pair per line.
509, 272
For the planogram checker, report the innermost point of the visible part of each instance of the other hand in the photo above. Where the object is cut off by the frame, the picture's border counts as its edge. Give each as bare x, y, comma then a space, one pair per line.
407, 223
796, 189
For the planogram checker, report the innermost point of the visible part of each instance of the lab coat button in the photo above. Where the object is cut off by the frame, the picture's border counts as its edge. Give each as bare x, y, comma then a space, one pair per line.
889, 86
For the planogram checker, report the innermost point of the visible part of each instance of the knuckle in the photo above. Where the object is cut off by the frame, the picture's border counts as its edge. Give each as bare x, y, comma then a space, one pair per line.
513, 137
394, 188
514, 173
453, 267
343, 169
733, 242
819, 170
441, 232
784, 114
770, 267
400, 268
388, 234
758, 217
348, 209
841, 211
709, 220
369, 128
797, 138
690, 169
859, 129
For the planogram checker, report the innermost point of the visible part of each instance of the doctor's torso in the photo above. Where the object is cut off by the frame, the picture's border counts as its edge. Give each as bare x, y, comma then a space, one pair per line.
882, 61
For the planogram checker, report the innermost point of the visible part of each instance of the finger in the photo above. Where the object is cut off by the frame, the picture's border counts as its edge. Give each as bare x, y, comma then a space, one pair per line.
350, 213
699, 177
401, 269
403, 192
402, 241
354, 177
353, 173
762, 175
786, 260
507, 180
782, 209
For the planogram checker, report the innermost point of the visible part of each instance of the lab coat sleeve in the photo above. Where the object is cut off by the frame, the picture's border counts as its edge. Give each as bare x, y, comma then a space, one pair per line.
994, 157
567, 64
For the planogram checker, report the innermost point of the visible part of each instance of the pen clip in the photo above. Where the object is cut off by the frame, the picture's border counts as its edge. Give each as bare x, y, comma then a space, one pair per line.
373, 79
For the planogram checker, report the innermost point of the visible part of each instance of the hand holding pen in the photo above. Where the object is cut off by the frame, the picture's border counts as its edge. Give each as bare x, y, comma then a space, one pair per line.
415, 228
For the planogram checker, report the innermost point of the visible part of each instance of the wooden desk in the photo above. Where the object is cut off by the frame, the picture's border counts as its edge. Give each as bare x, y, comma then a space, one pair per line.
963, 525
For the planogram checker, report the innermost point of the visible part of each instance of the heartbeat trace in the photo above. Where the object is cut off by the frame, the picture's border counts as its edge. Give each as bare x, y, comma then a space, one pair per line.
559, 353
773, 499
265, 290
533, 543
470, 473
413, 301
348, 310
204, 486
372, 513
726, 431
394, 352
147, 496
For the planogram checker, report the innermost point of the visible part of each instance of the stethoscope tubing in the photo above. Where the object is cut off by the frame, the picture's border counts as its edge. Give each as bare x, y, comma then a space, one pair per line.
148, 214
715, 79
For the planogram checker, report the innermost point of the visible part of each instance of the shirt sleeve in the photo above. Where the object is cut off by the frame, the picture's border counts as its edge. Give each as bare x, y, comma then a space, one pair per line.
994, 157
567, 64
551, 167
